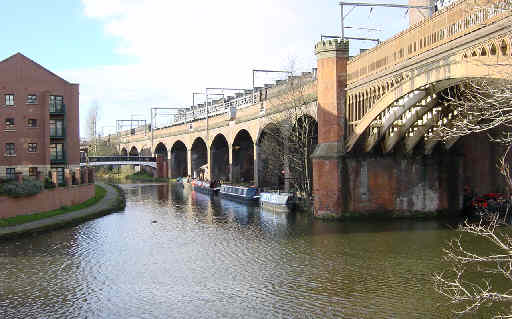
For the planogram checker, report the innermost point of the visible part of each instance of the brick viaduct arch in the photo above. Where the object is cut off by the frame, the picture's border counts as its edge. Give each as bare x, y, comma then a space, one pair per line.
185, 157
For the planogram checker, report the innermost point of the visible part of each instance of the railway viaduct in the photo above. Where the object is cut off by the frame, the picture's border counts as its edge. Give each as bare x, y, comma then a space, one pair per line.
377, 114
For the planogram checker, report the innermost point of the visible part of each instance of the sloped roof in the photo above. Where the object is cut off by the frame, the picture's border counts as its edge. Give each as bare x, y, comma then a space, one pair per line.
19, 56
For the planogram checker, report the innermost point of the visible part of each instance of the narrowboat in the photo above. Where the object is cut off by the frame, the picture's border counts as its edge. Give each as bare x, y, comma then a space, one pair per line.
205, 188
242, 194
278, 201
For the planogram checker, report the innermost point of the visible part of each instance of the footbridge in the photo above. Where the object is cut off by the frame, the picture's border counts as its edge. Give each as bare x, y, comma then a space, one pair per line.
377, 114
120, 160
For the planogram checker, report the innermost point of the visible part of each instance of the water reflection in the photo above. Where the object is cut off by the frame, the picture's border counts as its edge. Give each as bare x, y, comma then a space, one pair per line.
175, 253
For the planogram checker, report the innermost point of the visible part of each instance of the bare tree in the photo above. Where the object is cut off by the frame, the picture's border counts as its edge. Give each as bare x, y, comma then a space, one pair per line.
479, 276
478, 106
290, 135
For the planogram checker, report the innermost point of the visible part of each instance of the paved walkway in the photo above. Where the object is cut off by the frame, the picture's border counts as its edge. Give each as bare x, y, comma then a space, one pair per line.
109, 202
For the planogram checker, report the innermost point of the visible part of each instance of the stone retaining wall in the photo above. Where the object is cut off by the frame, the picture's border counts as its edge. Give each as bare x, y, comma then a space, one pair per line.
48, 199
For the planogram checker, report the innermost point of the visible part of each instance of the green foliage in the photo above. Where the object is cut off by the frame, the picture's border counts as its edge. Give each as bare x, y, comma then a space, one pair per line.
27, 188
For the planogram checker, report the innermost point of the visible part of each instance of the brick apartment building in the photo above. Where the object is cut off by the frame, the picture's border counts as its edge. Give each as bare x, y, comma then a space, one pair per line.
39, 124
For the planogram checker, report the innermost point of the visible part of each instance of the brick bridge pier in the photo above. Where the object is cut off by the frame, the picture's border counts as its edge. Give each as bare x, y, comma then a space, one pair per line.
378, 114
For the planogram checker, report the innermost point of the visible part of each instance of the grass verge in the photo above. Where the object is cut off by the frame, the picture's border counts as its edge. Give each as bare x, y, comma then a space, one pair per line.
100, 193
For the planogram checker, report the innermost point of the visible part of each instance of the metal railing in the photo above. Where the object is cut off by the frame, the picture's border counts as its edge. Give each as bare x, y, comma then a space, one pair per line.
118, 158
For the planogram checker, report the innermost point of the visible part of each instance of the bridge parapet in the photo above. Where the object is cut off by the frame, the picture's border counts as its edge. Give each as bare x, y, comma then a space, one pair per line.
446, 25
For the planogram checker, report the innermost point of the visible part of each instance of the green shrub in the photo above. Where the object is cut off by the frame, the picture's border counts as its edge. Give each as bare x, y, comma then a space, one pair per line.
27, 188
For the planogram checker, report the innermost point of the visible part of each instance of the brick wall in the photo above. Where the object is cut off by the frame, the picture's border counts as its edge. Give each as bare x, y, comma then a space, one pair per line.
46, 200
402, 185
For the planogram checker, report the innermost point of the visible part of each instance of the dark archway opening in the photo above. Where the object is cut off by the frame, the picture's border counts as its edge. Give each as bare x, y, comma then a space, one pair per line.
303, 141
220, 158
145, 151
271, 158
199, 158
161, 150
161, 160
124, 152
179, 160
134, 151
243, 158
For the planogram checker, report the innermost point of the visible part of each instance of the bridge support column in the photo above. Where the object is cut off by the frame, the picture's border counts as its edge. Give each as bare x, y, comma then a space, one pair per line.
230, 163
169, 170
332, 58
256, 164
189, 161
208, 175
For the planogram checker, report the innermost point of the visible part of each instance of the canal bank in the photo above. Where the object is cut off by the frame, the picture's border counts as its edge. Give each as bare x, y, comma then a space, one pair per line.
114, 200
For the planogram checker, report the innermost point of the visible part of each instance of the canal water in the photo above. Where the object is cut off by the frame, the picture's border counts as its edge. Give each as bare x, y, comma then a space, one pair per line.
174, 253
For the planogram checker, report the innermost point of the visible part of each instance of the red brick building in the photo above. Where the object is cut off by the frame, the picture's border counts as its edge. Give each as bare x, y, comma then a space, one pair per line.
39, 119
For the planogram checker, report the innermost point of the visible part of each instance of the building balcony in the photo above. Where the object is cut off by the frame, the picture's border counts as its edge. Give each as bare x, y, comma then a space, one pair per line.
57, 109
58, 158
58, 134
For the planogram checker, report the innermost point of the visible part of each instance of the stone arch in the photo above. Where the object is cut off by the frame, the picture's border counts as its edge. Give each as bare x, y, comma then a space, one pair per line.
270, 162
134, 151
124, 152
179, 163
145, 151
420, 84
483, 51
161, 150
493, 51
465, 56
243, 157
474, 53
504, 47
306, 128
219, 155
199, 160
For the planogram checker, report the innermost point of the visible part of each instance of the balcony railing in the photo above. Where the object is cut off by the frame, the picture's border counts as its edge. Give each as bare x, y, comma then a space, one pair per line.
58, 133
57, 108
58, 158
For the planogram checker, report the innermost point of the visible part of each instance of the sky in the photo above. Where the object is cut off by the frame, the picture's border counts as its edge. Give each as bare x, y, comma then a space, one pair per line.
131, 55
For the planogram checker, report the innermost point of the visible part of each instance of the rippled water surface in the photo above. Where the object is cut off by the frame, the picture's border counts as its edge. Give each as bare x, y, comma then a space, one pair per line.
177, 254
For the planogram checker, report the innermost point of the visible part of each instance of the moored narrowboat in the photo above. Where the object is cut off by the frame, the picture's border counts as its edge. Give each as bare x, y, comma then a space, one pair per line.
240, 194
278, 201
205, 188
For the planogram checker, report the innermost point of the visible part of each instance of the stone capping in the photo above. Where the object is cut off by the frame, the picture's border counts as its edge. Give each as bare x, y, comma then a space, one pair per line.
328, 151
332, 46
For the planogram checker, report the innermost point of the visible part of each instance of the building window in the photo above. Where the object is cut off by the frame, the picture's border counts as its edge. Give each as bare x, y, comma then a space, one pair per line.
56, 151
32, 147
9, 99
56, 104
9, 123
32, 122
10, 172
32, 171
31, 99
56, 128
60, 175
10, 149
